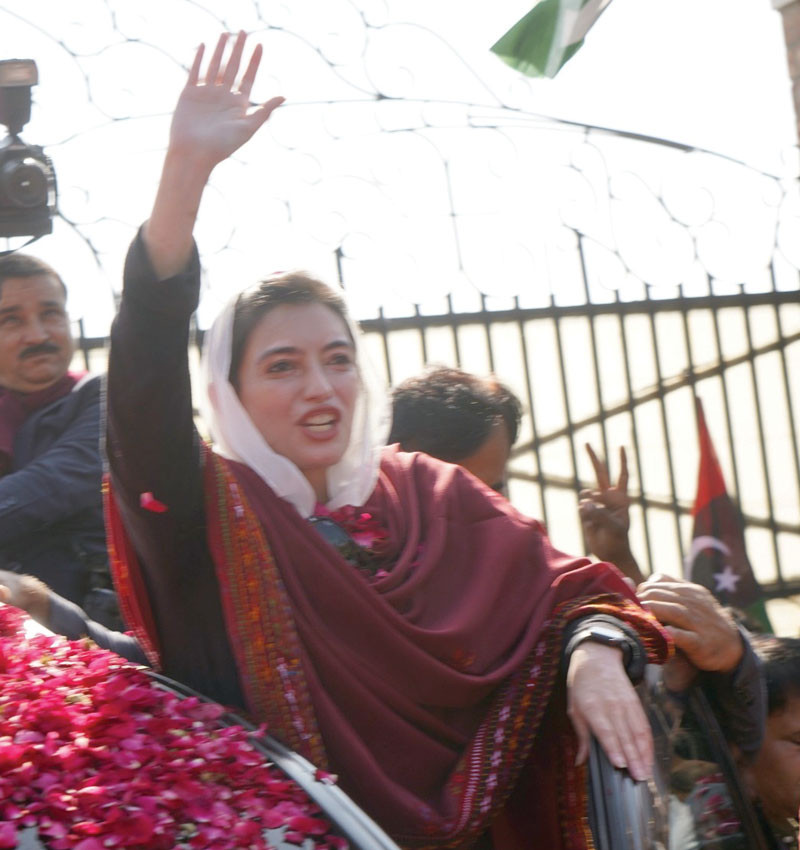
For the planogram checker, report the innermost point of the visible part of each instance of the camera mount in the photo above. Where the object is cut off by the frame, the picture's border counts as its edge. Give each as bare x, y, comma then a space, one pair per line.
27, 178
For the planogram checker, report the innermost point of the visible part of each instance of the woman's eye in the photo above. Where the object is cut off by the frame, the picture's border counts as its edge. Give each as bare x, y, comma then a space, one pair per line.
342, 359
280, 366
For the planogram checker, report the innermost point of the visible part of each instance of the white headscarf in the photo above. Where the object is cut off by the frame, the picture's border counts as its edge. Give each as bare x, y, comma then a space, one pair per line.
350, 481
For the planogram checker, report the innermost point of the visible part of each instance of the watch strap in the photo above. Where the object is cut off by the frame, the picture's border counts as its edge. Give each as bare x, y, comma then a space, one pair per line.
609, 631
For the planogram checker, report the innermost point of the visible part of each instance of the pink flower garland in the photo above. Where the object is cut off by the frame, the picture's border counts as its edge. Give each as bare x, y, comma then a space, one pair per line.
96, 756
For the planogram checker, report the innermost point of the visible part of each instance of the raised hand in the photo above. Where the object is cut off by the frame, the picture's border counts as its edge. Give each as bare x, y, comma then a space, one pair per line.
605, 516
214, 117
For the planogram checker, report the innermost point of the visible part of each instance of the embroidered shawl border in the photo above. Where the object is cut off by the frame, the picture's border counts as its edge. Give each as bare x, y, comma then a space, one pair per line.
133, 600
258, 616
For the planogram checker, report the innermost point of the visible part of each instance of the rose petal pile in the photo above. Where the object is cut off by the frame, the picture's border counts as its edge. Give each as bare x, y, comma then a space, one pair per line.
95, 756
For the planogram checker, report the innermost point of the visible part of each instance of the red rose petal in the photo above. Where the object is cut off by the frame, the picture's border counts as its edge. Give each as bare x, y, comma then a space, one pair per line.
98, 758
149, 502
8, 836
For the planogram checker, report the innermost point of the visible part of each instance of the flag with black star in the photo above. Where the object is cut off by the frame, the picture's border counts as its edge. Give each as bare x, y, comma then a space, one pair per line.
717, 558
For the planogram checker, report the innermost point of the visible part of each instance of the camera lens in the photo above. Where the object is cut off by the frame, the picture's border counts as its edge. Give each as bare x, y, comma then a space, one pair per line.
24, 182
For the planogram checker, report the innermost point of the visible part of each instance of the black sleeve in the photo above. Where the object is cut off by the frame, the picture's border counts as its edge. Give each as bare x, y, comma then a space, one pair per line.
69, 620
153, 448
739, 701
152, 444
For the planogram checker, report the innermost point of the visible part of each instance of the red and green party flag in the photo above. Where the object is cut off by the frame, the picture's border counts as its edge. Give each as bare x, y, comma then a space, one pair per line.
717, 558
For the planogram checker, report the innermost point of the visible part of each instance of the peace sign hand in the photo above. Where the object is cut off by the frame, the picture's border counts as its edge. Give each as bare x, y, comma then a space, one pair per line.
605, 516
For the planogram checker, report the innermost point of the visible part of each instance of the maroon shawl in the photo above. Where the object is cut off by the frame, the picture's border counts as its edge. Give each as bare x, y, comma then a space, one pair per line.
425, 688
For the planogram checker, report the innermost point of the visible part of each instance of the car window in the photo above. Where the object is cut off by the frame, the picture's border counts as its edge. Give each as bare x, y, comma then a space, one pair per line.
695, 800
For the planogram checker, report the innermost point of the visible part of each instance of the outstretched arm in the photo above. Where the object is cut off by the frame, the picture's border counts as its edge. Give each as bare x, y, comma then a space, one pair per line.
62, 616
213, 119
152, 446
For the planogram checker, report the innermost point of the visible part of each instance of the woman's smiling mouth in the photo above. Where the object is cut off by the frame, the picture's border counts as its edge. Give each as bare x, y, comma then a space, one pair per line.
321, 424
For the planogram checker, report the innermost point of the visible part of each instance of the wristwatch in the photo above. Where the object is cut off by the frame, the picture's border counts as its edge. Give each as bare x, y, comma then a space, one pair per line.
601, 633
633, 657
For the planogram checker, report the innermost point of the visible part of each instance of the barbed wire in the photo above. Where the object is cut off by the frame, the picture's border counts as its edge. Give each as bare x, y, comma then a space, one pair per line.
395, 164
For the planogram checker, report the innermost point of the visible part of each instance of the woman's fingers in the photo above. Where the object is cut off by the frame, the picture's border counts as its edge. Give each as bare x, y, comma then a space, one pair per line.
224, 75
603, 701
582, 734
246, 86
231, 69
212, 73
194, 72
599, 723
624, 734
260, 115
636, 740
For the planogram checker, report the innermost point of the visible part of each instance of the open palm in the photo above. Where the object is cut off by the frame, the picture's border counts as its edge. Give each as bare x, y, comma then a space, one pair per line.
214, 116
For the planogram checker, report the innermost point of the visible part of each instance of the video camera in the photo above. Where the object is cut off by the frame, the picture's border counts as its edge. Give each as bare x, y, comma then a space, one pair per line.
27, 178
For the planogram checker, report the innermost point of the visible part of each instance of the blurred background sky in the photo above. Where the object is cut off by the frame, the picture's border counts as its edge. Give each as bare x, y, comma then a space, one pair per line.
710, 73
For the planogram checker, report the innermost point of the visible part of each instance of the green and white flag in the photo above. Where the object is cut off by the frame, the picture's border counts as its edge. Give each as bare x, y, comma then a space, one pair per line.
541, 42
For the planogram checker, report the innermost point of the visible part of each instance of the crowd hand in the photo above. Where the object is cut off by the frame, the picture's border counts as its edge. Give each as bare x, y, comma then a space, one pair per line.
27, 593
700, 627
602, 702
605, 511
214, 116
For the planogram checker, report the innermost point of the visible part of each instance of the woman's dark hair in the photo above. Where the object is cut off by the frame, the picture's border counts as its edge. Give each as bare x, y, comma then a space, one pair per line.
449, 413
289, 288
780, 660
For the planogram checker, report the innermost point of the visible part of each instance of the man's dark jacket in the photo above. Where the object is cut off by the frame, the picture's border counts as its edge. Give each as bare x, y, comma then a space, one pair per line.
51, 513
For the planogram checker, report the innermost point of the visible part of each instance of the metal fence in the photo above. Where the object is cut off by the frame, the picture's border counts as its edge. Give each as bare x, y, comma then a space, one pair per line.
627, 373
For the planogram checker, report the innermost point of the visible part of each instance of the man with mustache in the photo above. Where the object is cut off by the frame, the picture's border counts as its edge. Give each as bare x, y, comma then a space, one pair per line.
51, 518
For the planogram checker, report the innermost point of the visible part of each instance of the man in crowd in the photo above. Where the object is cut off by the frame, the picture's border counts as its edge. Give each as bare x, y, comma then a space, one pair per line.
774, 776
460, 418
51, 518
